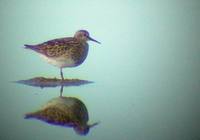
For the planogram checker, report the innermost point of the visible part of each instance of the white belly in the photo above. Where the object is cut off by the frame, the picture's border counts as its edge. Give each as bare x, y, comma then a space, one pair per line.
60, 62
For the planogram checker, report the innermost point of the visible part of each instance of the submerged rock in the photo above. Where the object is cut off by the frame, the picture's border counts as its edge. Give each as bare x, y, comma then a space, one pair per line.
52, 82
64, 111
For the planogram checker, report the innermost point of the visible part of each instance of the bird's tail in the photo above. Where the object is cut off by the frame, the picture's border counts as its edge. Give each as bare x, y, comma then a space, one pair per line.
32, 47
35, 114
29, 115
28, 46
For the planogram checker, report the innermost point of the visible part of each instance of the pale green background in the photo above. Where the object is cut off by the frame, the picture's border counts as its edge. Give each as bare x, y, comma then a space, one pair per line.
146, 71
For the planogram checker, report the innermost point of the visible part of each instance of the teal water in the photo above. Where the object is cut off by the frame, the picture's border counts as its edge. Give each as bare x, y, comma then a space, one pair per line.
145, 72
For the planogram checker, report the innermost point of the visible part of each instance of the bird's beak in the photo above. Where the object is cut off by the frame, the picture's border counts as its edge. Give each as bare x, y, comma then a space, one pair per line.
94, 40
94, 124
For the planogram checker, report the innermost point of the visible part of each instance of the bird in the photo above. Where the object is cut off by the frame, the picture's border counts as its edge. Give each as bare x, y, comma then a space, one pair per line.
65, 52
64, 111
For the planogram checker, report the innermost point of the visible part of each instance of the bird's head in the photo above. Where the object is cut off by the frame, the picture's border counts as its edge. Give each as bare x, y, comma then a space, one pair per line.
83, 36
84, 128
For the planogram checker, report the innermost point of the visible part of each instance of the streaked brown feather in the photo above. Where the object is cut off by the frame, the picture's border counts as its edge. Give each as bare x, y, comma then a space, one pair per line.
58, 47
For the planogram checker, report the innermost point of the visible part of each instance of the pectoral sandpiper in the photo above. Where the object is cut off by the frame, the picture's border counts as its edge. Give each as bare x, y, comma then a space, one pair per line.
65, 52
65, 111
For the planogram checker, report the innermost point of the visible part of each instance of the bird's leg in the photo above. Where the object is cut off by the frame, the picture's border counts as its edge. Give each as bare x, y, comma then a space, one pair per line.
61, 91
61, 73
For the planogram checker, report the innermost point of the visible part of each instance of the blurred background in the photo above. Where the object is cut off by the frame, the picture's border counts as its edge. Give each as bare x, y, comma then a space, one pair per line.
145, 72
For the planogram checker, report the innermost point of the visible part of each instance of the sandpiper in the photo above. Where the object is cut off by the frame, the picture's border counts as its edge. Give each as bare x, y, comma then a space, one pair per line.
64, 111
65, 52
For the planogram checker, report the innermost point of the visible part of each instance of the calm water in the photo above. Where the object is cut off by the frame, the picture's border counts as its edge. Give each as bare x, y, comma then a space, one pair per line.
145, 72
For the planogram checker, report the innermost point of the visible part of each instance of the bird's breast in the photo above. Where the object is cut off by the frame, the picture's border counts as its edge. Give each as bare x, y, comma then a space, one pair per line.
79, 53
60, 61
71, 58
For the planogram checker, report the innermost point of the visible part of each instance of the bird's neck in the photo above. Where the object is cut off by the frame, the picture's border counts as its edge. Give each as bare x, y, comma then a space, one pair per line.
83, 42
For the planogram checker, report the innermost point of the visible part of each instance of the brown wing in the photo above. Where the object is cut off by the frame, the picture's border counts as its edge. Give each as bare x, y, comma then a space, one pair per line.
51, 115
57, 47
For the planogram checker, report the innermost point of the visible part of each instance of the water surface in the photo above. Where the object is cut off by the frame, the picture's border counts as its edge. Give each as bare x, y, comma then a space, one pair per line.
145, 72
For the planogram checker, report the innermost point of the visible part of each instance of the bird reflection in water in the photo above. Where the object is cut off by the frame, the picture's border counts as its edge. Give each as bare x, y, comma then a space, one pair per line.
62, 111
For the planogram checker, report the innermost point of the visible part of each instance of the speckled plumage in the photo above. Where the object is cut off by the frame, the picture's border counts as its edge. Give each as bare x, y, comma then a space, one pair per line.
66, 48
65, 52
64, 111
